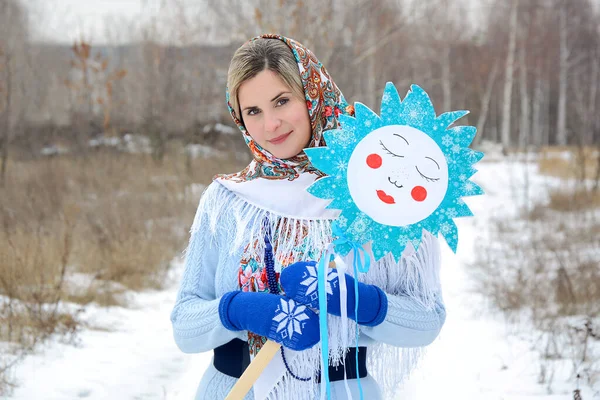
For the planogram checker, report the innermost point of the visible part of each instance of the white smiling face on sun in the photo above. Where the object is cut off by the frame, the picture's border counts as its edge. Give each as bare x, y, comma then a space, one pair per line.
397, 175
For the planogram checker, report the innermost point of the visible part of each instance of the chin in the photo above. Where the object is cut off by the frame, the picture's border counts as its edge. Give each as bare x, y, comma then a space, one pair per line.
286, 154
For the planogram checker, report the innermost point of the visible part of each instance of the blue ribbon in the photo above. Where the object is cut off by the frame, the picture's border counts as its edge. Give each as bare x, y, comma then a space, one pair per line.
359, 254
322, 277
357, 250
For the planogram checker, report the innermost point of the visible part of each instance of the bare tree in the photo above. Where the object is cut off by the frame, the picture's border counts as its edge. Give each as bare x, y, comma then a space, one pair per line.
539, 99
508, 75
376, 31
446, 35
540, 46
175, 80
95, 81
4, 140
485, 100
13, 37
160, 82
561, 124
523, 86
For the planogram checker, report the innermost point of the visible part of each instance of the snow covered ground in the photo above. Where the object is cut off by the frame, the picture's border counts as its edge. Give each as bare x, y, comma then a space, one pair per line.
476, 357
134, 356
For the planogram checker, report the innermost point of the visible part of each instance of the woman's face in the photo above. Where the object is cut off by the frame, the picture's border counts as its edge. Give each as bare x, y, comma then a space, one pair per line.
276, 119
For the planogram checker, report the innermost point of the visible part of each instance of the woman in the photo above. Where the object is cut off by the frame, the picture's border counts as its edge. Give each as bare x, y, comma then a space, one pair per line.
255, 239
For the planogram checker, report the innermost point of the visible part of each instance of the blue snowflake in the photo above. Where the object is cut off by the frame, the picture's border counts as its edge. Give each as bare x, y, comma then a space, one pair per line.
471, 189
445, 228
447, 139
342, 165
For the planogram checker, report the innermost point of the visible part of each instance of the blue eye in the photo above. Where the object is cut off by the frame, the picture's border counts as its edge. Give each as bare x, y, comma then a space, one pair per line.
282, 101
253, 111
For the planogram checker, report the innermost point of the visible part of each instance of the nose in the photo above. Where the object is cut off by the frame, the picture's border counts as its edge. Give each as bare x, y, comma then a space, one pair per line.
400, 173
272, 122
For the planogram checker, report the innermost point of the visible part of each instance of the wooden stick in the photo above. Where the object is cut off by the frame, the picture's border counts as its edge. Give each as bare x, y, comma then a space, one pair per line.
256, 367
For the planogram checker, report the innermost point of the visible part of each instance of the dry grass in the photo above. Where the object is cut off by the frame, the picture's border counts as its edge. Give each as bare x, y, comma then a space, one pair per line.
550, 262
578, 200
121, 217
542, 271
117, 219
569, 162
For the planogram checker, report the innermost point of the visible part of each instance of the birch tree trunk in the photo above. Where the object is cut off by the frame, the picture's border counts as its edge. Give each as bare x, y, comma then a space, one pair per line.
485, 101
538, 99
524, 138
9, 40
371, 95
546, 114
594, 130
589, 134
561, 124
446, 79
4, 141
508, 76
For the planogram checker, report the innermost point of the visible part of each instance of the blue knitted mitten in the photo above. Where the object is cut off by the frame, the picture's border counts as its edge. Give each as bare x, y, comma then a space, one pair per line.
299, 281
276, 317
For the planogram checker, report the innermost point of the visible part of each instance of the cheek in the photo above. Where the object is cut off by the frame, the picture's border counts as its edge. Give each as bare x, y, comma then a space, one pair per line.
255, 130
419, 193
374, 161
301, 121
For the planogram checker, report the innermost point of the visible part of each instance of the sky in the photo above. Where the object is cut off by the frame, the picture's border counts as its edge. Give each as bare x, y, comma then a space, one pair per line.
113, 21
65, 20
102, 21
99, 21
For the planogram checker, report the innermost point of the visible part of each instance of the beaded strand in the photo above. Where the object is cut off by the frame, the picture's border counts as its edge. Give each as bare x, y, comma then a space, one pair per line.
274, 289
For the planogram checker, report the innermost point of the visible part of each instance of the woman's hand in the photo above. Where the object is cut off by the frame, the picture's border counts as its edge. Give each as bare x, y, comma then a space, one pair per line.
278, 318
299, 281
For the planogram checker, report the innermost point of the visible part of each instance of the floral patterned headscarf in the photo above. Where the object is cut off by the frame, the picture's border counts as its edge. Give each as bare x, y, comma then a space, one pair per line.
325, 103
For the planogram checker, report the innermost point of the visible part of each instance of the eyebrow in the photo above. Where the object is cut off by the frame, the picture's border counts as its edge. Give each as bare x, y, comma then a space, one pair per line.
400, 136
273, 99
438, 165
276, 97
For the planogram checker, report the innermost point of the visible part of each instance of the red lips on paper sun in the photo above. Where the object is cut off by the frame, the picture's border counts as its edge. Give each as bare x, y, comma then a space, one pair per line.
387, 199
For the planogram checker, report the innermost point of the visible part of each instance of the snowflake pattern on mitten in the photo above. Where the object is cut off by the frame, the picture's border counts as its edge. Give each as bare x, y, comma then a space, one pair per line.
310, 283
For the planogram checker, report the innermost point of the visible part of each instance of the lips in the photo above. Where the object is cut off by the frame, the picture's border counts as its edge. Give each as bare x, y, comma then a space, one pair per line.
281, 138
387, 199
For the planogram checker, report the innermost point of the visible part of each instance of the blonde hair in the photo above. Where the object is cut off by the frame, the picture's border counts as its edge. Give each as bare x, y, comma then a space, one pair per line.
256, 56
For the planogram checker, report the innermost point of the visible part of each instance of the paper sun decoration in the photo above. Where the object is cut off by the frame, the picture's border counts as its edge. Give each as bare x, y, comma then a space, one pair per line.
394, 174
